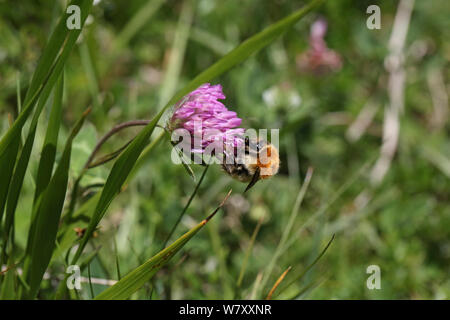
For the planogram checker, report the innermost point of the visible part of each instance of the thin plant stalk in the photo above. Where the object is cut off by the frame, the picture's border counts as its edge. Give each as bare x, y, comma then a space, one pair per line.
185, 207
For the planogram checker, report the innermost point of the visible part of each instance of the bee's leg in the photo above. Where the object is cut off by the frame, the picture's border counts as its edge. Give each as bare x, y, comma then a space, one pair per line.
255, 179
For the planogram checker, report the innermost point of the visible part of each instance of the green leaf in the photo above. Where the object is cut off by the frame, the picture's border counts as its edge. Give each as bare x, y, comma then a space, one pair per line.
245, 50
8, 291
181, 215
134, 280
22, 165
51, 139
300, 275
7, 161
124, 164
247, 255
47, 160
49, 68
288, 228
42, 241
139, 19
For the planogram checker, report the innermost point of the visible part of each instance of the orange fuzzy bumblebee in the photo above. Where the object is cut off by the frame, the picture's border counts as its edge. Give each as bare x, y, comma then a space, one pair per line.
260, 161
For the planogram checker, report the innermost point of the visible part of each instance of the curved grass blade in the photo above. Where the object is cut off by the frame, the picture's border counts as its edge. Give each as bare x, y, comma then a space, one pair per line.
134, 280
277, 283
185, 207
110, 156
247, 254
124, 164
22, 163
143, 14
184, 162
7, 161
81, 217
47, 217
308, 287
300, 276
145, 155
246, 49
48, 154
46, 162
8, 291
49, 67
324, 208
116, 179
289, 225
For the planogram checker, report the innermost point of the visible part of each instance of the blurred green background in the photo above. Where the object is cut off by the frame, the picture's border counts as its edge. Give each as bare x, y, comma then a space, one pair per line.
133, 55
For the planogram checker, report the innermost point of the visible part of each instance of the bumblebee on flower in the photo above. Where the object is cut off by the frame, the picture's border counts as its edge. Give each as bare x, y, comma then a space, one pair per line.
215, 131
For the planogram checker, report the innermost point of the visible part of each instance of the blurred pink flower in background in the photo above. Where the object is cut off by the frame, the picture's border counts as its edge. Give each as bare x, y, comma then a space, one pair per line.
319, 59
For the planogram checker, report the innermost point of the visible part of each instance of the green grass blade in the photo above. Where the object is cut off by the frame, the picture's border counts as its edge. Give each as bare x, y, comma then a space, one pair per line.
310, 286
124, 164
177, 53
323, 208
299, 276
289, 225
245, 50
92, 82
141, 17
22, 165
116, 179
185, 207
49, 67
48, 154
7, 161
8, 291
134, 280
247, 255
277, 283
48, 215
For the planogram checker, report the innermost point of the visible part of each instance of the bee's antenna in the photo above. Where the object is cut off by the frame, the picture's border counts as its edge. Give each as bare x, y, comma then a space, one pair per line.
255, 179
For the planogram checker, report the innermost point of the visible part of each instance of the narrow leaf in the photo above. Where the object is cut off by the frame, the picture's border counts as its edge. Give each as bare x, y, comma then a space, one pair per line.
49, 67
300, 276
277, 283
51, 139
134, 280
48, 215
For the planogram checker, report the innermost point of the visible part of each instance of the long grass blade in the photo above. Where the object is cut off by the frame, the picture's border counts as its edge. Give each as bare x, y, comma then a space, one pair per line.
248, 252
49, 68
22, 165
185, 207
48, 215
289, 225
299, 276
48, 154
277, 283
141, 275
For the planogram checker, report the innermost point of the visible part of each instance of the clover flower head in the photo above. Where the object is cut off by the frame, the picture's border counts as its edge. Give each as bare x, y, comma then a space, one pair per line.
200, 113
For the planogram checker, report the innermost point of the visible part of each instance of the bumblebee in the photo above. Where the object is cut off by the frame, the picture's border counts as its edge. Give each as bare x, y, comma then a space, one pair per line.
259, 161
